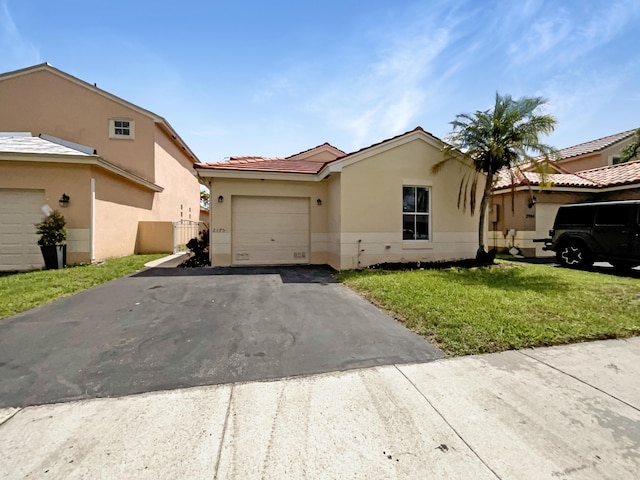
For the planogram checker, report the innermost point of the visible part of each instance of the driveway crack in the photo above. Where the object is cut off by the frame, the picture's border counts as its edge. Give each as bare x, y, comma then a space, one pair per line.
579, 380
224, 432
449, 424
13, 414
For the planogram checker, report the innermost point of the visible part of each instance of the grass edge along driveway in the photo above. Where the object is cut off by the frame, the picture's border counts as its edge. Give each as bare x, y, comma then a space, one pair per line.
505, 306
24, 291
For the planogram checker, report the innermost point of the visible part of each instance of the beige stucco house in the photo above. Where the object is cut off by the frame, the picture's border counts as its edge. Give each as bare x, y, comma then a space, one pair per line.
524, 205
323, 206
127, 173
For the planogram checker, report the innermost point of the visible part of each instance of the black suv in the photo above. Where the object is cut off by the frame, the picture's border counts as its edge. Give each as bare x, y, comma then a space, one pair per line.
605, 231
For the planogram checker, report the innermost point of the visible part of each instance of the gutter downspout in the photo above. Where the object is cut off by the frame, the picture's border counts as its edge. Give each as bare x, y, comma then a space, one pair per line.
92, 221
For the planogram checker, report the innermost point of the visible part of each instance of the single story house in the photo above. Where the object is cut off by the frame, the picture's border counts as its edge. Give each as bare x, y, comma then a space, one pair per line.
524, 204
376, 205
127, 174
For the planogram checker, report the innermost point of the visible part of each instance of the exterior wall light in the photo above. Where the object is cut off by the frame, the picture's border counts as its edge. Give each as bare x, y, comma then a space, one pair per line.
220, 199
319, 202
64, 200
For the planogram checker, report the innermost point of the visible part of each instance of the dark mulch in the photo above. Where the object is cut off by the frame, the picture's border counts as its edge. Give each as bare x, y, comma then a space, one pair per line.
195, 262
468, 263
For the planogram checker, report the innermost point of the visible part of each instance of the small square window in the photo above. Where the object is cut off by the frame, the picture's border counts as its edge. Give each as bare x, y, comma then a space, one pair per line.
121, 128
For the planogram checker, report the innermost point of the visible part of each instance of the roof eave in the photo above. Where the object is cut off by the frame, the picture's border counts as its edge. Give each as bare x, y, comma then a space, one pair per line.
257, 175
80, 160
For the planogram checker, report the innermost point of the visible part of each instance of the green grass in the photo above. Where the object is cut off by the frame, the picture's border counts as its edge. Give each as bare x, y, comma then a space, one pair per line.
506, 306
23, 291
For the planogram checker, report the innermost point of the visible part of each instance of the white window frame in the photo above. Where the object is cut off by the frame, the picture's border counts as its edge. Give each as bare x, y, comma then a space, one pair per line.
416, 213
114, 127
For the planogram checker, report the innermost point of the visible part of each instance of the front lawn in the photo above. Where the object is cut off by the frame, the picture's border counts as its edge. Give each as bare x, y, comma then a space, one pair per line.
506, 306
23, 291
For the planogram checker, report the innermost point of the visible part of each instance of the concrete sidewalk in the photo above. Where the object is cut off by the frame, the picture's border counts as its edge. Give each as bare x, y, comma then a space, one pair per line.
561, 412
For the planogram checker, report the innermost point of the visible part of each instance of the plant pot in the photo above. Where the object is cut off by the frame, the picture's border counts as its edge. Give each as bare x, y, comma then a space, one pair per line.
55, 256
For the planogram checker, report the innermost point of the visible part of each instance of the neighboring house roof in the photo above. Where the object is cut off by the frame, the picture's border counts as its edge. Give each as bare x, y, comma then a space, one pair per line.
23, 142
291, 164
594, 145
160, 121
22, 147
604, 177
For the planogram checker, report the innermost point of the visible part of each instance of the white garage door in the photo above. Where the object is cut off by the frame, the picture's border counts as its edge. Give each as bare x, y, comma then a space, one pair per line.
269, 230
19, 211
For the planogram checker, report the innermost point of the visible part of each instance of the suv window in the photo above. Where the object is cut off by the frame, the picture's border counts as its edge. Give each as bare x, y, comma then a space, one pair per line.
612, 215
575, 217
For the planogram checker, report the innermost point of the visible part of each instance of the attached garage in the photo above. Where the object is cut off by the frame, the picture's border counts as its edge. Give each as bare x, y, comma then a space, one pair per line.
269, 230
20, 210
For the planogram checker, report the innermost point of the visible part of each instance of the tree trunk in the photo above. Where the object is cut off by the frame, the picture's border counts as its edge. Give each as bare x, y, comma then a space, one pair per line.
481, 254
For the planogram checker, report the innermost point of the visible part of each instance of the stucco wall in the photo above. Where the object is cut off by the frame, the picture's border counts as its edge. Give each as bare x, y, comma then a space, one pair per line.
180, 199
221, 212
43, 102
154, 237
56, 179
120, 205
371, 208
334, 220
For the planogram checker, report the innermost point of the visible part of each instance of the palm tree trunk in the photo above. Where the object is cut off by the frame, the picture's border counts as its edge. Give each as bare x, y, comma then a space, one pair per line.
481, 254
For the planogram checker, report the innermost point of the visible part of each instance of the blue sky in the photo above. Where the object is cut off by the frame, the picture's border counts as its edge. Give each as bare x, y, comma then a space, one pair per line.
274, 78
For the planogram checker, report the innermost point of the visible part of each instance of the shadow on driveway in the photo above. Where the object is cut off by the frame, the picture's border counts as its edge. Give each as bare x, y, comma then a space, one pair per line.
292, 274
167, 328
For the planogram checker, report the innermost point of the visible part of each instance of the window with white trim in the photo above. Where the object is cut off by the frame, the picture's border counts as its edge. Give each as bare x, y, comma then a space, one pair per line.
121, 128
415, 212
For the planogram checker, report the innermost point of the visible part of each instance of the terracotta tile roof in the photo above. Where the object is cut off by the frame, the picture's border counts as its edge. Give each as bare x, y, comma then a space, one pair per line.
289, 164
417, 129
620, 174
261, 164
594, 145
610, 176
325, 144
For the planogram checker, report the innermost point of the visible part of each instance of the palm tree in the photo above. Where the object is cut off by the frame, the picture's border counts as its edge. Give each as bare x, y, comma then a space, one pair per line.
506, 136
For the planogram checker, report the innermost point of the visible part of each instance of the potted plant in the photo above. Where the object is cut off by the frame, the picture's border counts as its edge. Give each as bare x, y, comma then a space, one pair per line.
52, 240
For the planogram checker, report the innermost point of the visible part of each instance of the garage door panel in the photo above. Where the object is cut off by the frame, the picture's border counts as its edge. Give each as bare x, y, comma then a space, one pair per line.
270, 230
20, 210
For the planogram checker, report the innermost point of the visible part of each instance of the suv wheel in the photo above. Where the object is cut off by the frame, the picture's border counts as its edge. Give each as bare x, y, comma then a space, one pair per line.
574, 255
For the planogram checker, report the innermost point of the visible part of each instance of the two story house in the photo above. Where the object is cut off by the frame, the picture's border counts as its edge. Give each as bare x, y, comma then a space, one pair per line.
524, 204
125, 172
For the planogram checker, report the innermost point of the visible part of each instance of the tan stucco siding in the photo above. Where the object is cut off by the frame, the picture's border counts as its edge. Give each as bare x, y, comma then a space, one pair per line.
116, 229
180, 199
43, 102
586, 162
154, 237
221, 212
371, 208
119, 206
334, 220
529, 223
54, 180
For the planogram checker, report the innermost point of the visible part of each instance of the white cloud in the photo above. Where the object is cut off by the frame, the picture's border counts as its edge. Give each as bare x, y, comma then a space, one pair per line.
386, 94
17, 50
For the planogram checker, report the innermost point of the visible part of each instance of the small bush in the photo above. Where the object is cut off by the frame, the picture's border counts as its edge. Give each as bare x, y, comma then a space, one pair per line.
199, 247
51, 229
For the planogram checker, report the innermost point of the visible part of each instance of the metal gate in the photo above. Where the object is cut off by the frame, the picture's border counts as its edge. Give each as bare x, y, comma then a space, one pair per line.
183, 231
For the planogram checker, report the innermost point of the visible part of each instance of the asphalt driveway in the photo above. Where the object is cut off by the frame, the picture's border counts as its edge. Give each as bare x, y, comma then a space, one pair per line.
167, 328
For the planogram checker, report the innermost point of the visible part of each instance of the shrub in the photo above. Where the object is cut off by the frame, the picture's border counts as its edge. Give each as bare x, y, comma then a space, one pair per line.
51, 229
199, 247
